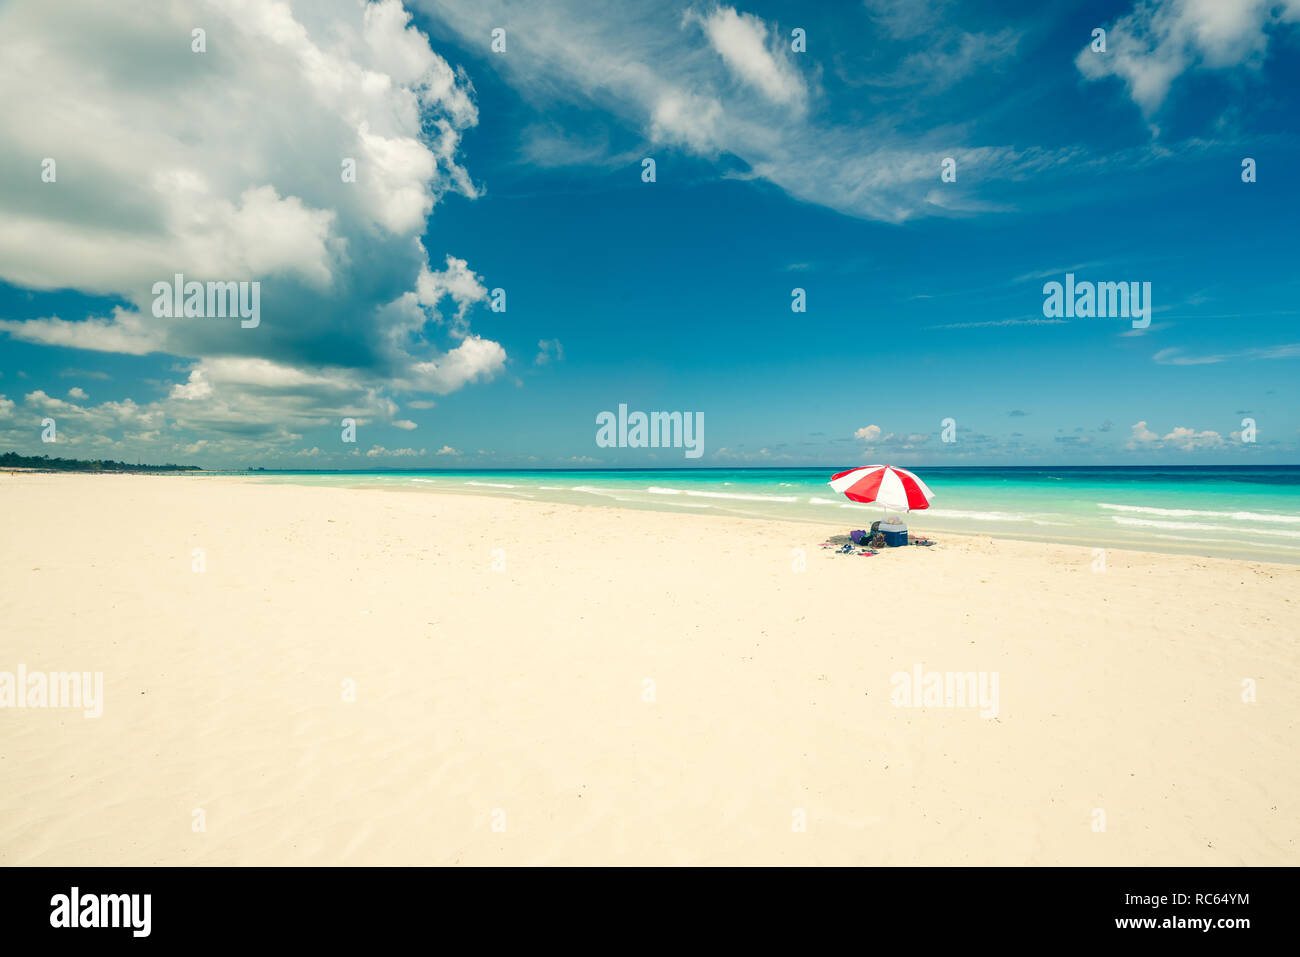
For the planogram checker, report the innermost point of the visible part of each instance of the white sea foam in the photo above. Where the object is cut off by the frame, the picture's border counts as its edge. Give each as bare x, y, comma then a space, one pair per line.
491, 484
592, 490
937, 512
978, 516
657, 490
1200, 527
1201, 513
746, 498
1197, 540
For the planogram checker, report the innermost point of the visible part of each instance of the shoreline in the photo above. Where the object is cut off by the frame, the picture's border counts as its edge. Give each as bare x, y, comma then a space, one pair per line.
916, 520
916, 528
935, 523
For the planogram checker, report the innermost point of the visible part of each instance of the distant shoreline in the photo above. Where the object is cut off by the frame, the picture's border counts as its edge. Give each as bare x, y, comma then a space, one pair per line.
34, 463
13, 462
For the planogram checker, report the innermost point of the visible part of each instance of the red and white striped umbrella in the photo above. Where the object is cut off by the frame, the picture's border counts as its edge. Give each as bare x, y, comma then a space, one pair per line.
896, 489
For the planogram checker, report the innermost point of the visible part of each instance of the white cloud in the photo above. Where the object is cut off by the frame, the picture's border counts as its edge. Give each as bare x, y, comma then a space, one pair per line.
459, 282
83, 425
754, 56
473, 360
1175, 357
549, 350
996, 323
126, 332
880, 440
448, 450
228, 165
1160, 40
1182, 438
687, 119
48, 403
678, 84
76, 392
905, 19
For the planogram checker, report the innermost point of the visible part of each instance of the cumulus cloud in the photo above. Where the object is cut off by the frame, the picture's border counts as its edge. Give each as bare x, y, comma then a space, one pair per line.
79, 427
1160, 40
874, 436
172, 161
1181, 438
456, 281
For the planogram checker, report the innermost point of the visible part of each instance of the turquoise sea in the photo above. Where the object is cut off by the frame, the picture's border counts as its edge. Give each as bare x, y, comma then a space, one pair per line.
1232, 511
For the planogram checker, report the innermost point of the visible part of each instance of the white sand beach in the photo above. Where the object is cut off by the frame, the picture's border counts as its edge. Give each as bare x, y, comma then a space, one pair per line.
560, 684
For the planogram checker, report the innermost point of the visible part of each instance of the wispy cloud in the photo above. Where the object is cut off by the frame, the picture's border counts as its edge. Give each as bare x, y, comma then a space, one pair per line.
1176, 357
726, 83
994, 323
1055, 273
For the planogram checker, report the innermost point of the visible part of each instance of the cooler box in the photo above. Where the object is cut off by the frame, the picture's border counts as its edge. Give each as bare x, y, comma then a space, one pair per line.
895, 531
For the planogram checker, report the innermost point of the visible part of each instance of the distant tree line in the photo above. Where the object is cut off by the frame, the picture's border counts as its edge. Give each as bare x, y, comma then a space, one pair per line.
14, 460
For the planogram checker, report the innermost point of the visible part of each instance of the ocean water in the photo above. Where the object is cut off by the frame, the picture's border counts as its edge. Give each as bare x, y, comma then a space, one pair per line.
1231, 511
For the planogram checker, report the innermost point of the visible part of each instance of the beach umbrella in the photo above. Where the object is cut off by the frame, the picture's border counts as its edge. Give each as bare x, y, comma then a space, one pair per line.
896, 489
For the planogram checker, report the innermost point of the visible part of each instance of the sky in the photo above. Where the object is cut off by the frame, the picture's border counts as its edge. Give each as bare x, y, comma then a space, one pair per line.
459, 248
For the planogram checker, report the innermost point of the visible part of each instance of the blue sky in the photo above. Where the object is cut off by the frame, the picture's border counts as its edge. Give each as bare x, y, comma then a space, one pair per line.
522, 170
